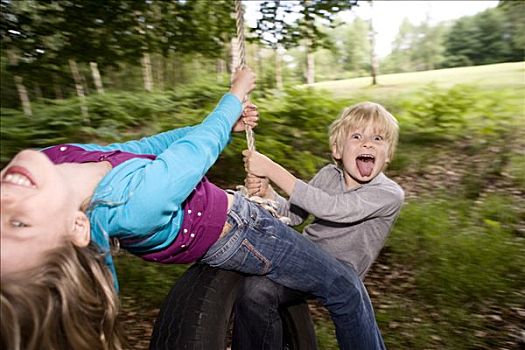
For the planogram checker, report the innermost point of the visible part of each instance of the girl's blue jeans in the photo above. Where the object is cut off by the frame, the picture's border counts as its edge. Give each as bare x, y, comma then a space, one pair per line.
260, 244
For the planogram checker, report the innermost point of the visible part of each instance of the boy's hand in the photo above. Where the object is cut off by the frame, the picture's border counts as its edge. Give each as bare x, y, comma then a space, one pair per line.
249, 116
256, 163
243, 83
259, 165
258, 186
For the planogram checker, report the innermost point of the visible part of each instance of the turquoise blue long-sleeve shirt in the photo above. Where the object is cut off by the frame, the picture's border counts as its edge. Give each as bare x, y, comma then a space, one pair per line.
139, 201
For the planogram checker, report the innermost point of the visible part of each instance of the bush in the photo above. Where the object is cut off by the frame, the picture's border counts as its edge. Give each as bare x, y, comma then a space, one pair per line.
461, 253
463, 110
113, 117
516, 169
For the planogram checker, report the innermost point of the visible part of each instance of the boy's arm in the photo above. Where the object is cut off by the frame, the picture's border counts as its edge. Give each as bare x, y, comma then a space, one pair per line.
258, 164
281, 177
259, 186
347, 207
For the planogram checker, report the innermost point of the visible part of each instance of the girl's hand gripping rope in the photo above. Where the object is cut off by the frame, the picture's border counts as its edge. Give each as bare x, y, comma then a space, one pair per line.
249, 116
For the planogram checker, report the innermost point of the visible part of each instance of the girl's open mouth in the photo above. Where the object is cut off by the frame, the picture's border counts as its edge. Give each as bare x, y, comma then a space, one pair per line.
19, 176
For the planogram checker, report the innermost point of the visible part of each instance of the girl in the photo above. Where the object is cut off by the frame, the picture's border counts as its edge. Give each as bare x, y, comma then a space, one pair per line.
61, 207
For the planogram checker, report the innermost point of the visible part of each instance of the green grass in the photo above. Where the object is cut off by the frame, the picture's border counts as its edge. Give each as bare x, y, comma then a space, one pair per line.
494, 76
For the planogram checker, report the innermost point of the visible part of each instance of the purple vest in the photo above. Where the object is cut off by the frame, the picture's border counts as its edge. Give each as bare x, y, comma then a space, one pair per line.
205, 210
205, 213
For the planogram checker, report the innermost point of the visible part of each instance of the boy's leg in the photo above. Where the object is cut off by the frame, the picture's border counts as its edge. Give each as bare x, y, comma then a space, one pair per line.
260, 244
258, 323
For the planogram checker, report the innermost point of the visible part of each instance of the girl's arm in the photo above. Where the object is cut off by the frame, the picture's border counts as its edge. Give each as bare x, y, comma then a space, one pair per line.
158, 143
243, 83
158, 189
155, 144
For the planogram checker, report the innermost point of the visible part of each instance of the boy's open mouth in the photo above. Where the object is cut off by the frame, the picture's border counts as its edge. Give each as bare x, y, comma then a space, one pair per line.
365, 164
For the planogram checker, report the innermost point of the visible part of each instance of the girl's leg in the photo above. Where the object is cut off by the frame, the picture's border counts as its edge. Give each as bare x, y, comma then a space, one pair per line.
262, 245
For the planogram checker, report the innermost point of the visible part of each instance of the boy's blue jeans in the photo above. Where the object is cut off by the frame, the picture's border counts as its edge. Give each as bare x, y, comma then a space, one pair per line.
259, 244
258, 324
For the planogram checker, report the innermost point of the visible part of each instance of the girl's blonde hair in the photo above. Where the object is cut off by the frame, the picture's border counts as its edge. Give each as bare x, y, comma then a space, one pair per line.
68, 302
362, 115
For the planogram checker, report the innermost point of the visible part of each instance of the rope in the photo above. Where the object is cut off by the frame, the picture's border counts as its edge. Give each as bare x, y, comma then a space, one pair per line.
240, 32
241, 49
269, 205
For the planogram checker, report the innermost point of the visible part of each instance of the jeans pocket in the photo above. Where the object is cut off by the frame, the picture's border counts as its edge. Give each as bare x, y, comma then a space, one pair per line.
248, 260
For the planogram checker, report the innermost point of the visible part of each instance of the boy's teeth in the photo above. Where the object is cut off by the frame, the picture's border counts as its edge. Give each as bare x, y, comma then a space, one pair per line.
366, 156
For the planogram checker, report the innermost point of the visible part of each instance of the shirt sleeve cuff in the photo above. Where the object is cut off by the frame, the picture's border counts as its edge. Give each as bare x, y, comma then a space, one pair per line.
232, 102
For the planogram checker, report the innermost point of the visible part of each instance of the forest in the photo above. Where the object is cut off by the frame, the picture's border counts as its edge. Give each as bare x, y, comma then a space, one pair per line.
452, 274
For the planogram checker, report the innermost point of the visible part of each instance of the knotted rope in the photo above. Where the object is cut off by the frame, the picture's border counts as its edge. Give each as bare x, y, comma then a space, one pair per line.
268, 204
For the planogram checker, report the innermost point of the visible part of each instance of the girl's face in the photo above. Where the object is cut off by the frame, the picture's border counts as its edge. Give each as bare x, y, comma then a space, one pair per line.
35, 209
364, 154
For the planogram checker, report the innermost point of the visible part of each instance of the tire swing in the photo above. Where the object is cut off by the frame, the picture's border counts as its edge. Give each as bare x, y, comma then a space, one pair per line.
197, 313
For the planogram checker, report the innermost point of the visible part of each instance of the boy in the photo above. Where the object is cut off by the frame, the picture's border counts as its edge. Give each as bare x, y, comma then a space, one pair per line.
354, 204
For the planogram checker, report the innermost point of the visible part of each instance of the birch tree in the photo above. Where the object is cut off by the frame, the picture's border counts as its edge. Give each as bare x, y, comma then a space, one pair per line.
293, 23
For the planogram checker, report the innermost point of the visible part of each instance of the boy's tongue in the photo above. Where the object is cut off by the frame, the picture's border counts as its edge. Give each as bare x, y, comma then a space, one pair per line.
365, 166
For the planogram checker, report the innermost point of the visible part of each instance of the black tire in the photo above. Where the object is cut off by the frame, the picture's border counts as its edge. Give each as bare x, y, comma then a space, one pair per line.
197, 311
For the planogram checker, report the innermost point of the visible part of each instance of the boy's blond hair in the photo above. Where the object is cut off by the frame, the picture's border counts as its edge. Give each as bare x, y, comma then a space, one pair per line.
361, 115
68, 302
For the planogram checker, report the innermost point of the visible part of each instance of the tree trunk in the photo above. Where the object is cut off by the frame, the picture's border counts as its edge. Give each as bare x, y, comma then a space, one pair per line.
164, 71
84, 83
195, 67
158, 68
278, 71
38, 91
220, 69
56, 87
96, 77
78, 86
22, 94
373, 58
310, 67
146, 72
173, 71
20, 87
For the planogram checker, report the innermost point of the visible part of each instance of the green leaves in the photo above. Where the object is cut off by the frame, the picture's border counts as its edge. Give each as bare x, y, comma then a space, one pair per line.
286, 23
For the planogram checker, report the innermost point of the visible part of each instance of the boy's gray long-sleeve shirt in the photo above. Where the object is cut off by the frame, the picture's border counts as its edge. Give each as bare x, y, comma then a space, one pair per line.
352, 225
